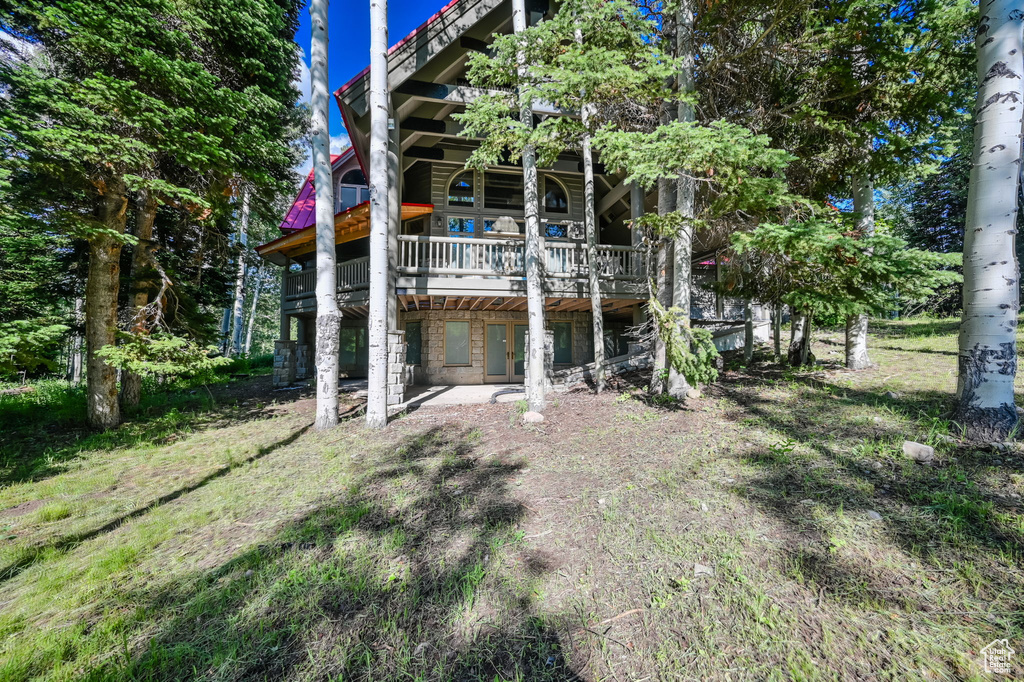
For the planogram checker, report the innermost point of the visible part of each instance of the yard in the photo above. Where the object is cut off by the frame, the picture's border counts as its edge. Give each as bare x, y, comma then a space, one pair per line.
772, 529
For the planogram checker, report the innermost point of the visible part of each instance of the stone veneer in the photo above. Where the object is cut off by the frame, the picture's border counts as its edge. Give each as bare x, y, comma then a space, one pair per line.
284, 363
433, 370
399, 373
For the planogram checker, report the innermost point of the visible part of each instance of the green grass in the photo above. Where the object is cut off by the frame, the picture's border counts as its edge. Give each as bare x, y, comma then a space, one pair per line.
231, 542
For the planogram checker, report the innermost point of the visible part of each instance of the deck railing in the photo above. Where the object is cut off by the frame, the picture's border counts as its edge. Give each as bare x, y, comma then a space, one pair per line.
454, 257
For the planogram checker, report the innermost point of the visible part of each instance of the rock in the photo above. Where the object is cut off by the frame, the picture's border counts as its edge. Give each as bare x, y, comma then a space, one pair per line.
808, 501
877, 420
248, 574
877, 466
1000, 447
918, 451
1020, 410
703, 507
601, 501
943, 438
420, 648
702, 570
692, 394
874, 516
533, 418
997, 462
892, 395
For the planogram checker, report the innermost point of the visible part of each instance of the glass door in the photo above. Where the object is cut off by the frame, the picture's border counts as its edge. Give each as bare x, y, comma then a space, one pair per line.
519, 352
496, 353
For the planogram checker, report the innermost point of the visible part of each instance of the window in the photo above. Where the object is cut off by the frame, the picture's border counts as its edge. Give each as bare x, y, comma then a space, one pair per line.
456, 343
353, 177
504, 225
349, 197
503, 191
555, 199
563, 342
555, 231
414, 343
460, 190
460, 227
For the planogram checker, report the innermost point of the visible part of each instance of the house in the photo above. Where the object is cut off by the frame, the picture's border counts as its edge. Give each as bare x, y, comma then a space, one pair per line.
998, 657
457, 236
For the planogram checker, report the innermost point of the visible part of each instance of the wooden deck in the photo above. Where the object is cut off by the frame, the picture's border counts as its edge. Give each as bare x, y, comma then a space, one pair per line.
483, 273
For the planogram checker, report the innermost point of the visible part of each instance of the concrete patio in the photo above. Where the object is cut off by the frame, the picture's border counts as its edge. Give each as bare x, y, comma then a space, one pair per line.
440, 396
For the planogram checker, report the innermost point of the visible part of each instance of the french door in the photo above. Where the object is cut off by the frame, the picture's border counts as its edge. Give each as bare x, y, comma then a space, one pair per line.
505, 352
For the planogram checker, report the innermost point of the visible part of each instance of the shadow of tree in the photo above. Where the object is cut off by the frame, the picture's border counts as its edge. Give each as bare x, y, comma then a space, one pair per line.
418, 572
31, 554
942, 515
37, 445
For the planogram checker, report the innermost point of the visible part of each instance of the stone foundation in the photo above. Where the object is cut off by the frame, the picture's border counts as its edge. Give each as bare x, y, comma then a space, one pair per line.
303, 361
284, 363
433, 370
399, 373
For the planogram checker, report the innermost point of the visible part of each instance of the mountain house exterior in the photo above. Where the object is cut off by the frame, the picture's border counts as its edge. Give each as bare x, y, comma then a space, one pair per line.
458, 312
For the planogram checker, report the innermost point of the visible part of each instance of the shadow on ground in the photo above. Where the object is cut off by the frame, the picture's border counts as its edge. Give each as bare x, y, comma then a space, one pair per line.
949, 516
417, 573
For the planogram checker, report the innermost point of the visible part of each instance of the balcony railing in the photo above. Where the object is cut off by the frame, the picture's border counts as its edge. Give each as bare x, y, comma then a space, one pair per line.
452, 256
490, 258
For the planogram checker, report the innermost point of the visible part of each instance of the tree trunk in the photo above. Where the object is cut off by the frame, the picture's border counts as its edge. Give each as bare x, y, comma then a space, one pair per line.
682, 249
101, 285
777, 330
328, 317
142, 253
258, 284
748, 332
797, 338
988, 330
590, 223
377, 388
857, 325
75, 356
806, 357
243, 241
535, 387
662, 287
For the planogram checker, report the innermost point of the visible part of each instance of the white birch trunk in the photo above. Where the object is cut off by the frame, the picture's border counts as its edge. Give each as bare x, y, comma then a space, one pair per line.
535, 376
377, 375
590, 225
682, 249
748, 332
258, 279
777, 330
75, 356
328, 317
239, 306
988, 344
857, 325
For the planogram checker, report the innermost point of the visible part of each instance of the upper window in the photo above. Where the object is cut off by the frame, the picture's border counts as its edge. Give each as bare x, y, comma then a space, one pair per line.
353, 177
503, 191
460, 190
555, 199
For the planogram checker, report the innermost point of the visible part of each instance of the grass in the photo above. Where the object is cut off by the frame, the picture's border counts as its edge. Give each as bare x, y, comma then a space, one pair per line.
770, 530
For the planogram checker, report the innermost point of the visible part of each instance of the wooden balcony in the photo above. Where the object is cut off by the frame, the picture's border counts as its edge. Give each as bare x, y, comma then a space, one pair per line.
449, 266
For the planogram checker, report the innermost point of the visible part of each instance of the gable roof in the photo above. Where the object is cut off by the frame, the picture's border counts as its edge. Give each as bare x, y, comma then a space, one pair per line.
302, 214
408, 56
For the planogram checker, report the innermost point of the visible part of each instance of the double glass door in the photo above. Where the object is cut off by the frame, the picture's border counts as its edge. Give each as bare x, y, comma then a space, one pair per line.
505, 352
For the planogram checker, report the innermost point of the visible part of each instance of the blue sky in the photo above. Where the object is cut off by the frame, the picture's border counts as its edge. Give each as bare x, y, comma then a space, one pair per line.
349, 47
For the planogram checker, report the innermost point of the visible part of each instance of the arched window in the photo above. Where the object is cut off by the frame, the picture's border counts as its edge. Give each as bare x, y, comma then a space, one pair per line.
353, 177
555, 198
460, 190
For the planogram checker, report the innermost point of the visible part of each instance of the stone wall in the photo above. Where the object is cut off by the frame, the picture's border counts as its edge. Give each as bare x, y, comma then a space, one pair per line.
284, 363
399, 373
433, 369
303, 361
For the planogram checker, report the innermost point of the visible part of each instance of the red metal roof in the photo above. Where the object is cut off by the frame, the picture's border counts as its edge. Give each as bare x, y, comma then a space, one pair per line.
302, 214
